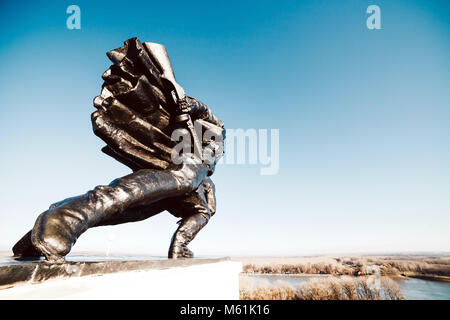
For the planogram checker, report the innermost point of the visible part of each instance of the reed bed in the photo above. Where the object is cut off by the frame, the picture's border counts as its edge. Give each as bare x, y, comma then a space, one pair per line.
330, 288
362, 266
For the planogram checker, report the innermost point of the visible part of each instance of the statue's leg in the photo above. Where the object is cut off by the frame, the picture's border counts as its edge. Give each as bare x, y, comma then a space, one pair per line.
57, 229
195, 209
133, 214
25, 248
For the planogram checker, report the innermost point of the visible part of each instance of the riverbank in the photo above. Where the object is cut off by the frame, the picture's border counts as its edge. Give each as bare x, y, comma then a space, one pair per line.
429, 267
264, 287
337, 287
362, 277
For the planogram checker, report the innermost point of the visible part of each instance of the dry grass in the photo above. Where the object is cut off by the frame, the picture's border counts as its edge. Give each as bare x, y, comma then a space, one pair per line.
415, 266
332, 288
308, 268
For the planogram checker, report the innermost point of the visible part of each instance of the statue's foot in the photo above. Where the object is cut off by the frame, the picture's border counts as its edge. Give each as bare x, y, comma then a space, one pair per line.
24, 248
50, 251
178, 252
52, 246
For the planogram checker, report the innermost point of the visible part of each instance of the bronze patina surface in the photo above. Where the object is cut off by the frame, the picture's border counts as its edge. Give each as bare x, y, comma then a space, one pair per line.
139, 107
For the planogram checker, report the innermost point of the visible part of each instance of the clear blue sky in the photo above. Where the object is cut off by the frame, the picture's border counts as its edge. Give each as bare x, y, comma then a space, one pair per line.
364, 119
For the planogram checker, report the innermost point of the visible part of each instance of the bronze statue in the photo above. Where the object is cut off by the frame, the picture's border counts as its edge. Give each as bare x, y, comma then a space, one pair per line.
139, 107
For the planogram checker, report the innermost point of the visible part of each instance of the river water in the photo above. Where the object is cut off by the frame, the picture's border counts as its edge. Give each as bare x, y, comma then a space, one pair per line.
412, 288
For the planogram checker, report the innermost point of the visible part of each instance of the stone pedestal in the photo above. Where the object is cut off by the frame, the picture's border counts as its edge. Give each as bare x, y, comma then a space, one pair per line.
90, 277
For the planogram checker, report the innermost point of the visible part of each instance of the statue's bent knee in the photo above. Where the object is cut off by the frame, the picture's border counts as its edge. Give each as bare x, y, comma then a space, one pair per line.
195, 209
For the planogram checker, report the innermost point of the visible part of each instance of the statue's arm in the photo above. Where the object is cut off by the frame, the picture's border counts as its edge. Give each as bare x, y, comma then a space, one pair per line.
199, 110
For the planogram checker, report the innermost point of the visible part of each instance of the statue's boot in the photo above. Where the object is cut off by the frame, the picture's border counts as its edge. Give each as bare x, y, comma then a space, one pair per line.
57, 229
24, 247
186, 232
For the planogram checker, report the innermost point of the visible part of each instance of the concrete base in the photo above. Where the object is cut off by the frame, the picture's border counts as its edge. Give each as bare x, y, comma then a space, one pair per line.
166, 279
